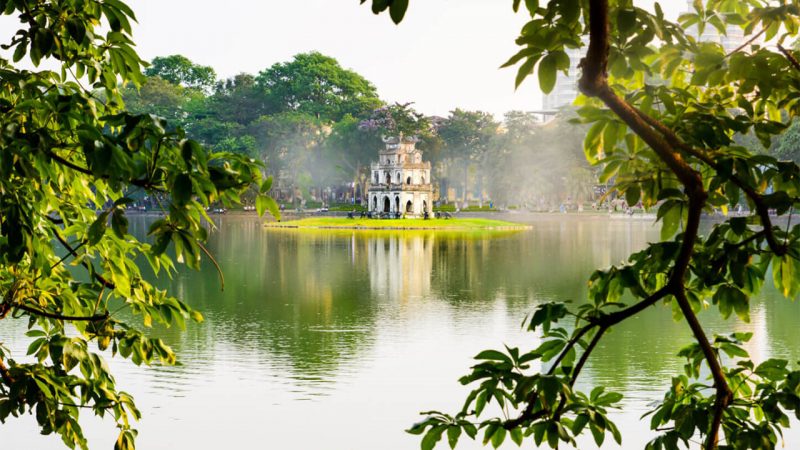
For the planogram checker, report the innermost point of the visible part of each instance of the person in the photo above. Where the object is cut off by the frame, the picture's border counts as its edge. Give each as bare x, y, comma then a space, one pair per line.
425, 215
350, 215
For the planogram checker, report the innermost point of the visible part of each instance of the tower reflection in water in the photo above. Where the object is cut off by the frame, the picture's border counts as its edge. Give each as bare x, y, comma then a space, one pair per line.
400, 266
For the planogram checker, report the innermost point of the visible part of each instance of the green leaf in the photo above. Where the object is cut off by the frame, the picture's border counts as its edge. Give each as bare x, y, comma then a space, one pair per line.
419, 427
773, 369
731, 299
493, 355
785, 276
397, 10
580, 422
264, 203
598, 433
266, 185
626, 21
498, 437
552, 435
480, 402
633, 194
432, 437
547, 72
119, 223
453, 432
182, 189
524, 70
516, 435
98, 228
671, 213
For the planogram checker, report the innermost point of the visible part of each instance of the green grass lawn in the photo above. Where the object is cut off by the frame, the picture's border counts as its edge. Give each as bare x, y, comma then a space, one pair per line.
445, 224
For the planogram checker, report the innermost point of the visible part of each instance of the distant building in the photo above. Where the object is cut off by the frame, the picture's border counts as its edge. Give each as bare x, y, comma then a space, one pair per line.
400, 181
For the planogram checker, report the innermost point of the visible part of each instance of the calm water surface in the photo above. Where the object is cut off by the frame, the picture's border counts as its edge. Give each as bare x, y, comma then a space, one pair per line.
335, 340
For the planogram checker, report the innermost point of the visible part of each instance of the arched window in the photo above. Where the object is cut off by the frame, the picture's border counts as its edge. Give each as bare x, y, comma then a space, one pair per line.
388, 178
409, 207
397, 203
423, 180
408, 180
374, 202
376, 178
397, 175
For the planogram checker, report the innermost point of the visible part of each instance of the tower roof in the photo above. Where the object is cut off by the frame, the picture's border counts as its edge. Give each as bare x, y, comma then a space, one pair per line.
400, 144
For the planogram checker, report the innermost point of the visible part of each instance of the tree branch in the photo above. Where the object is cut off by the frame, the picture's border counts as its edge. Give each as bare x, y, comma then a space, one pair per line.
748, 42
5, 307
39, 312
758, 200
216, 265
603, 323
594, 83
792, 60
146, 184
585, 356
74, 252
5, 375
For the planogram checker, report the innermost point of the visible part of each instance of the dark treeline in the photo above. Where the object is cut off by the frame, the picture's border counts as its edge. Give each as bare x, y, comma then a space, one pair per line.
317, 127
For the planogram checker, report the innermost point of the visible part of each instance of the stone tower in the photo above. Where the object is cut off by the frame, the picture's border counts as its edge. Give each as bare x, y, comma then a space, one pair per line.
400, 181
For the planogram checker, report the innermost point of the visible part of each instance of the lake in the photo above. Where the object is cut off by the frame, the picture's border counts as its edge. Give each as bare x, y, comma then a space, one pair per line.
328, 340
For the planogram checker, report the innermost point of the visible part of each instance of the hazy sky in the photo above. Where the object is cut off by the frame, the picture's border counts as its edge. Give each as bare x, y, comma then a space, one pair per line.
444, 55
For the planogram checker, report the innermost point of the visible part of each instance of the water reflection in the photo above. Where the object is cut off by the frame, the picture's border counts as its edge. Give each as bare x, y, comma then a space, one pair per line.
327, 330
399, 267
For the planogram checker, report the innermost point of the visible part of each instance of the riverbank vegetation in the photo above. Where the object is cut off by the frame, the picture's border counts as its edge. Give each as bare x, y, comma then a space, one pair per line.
317, 127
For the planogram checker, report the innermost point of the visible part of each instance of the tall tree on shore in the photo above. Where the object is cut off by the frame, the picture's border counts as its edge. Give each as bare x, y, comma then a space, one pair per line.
315, 84
466, 138
668, 143
178, 69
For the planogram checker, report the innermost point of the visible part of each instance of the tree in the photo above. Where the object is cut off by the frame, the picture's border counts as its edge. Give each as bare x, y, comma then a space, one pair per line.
179, 70
466, 136
237, 99
353, 147
289, 143
540, 165
69, 157
162, 98
317, 85
788, 146
667, 143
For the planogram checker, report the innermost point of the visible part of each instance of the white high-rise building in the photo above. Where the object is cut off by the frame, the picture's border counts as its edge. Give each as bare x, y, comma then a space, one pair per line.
730, 41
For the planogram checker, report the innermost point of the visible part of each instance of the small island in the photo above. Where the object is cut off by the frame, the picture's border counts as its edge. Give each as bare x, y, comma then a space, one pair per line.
455, 224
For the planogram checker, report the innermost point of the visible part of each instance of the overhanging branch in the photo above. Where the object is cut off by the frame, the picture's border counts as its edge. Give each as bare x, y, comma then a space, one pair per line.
57, 316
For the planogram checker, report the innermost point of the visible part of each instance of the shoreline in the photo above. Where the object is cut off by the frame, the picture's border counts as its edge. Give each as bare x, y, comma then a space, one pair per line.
455, 224
519, 227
